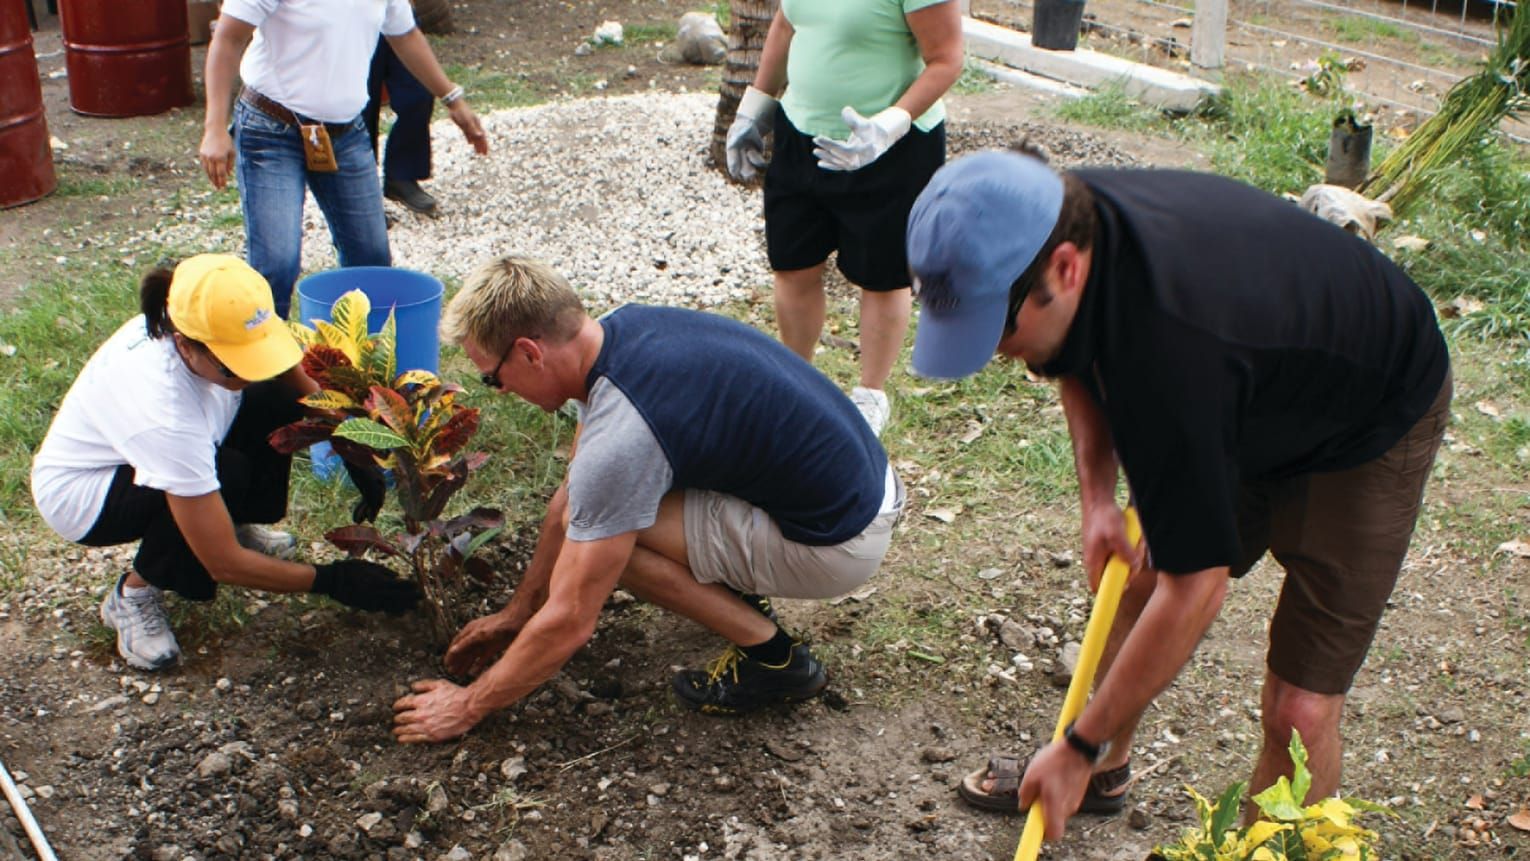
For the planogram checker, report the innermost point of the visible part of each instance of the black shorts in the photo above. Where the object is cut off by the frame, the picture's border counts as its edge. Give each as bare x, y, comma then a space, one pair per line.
863, 214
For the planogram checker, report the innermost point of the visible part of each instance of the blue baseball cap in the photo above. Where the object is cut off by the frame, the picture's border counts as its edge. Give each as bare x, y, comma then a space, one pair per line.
973, 230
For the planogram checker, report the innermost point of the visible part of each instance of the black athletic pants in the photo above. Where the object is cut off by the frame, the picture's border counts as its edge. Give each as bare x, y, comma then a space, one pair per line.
253, 477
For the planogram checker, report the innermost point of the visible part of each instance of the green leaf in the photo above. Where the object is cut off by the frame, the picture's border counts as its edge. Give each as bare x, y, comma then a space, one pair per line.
382, 357
481, 539
370, 434
1225, 815
1277, 801
1301, 778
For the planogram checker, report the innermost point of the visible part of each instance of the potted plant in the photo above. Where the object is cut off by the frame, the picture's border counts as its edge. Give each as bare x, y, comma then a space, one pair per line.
410, 424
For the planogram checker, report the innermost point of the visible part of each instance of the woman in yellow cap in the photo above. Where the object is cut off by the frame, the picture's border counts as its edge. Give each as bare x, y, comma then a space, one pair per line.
162, 440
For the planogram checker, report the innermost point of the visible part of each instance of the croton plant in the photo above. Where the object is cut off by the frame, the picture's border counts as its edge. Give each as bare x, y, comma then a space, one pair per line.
409, 423
1287, 829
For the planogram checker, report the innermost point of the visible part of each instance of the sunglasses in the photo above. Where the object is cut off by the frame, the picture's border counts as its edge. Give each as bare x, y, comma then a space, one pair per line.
491, 378
1017, 293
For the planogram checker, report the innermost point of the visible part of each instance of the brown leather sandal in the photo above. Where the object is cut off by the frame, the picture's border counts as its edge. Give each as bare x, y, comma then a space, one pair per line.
1105, 795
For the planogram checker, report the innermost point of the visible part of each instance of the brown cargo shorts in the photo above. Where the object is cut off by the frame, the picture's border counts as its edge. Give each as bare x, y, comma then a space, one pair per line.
1341, 537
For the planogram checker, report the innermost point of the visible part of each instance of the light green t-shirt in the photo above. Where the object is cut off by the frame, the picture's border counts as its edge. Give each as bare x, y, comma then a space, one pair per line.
851, 52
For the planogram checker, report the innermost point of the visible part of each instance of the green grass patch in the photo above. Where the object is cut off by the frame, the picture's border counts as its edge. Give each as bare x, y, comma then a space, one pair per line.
81, 182
973, 79
1110, 107
1266, 133
641, 35
1477, 220
65, 315
490, 88
1359, 28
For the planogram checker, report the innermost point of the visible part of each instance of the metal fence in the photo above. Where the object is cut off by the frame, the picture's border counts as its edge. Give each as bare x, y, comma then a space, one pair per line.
1395, 56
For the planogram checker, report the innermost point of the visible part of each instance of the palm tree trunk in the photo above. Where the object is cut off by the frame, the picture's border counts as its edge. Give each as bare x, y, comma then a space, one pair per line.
433, 16
746, 39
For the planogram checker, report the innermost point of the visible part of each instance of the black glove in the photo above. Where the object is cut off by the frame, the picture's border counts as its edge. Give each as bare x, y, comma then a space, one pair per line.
365, 586
373, 487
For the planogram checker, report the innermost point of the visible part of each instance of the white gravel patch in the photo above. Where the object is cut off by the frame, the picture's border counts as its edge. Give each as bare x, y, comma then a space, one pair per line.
616, 193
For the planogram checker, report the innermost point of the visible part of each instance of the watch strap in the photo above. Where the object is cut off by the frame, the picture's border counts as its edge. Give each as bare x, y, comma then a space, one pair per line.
1089, 750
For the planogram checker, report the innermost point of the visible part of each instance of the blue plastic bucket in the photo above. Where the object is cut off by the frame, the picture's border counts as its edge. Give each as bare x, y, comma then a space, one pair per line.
414, 297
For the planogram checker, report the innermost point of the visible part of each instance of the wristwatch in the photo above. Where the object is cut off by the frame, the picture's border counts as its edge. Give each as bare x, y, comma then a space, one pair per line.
1087, 749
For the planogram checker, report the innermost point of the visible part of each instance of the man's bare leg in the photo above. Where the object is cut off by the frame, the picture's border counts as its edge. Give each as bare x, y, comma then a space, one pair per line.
1285, 706
659, 574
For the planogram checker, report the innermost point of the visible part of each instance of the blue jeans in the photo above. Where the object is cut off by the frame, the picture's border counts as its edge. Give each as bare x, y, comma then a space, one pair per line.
272, 173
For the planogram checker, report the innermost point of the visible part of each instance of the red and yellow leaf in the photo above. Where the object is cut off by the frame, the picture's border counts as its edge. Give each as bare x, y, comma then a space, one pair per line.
300, 435
328, 399
415, 378
357, 540
390, 408
453, 435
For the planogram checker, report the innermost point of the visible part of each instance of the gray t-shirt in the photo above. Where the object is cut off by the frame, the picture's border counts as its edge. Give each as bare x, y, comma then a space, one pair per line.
617, 451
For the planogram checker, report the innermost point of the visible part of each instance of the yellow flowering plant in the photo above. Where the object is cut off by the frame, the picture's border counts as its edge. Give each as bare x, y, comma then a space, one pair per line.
1286, 829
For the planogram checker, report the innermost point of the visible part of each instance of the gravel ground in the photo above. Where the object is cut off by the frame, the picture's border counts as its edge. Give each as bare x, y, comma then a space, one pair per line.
618, 193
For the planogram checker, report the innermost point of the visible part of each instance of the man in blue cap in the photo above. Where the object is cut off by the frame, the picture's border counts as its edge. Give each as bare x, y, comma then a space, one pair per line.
1266, 381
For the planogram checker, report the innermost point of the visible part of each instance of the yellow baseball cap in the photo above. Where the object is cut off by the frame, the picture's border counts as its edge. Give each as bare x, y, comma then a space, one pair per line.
219, 300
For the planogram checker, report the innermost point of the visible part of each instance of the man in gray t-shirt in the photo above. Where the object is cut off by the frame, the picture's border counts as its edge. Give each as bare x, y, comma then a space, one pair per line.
712, 469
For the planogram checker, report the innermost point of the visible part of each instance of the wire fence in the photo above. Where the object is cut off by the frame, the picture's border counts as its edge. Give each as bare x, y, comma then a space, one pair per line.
1394, 56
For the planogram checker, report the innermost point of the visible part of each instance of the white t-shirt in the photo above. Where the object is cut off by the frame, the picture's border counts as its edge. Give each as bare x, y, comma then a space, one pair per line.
313, 56
134, 403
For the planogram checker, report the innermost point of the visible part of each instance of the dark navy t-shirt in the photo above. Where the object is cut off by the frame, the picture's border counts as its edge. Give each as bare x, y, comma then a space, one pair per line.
681, 399
1232, 337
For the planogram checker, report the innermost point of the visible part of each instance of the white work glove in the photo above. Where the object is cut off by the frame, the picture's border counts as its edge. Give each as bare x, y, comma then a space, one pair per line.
869, 138
746, 137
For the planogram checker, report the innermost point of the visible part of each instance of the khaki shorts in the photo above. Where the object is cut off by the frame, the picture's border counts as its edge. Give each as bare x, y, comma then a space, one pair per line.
1341, 537
731, 542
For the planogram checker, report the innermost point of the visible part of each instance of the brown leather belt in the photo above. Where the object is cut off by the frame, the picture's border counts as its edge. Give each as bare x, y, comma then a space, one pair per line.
275, 111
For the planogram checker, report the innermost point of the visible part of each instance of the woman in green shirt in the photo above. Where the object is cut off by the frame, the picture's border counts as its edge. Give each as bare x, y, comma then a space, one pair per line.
859, 130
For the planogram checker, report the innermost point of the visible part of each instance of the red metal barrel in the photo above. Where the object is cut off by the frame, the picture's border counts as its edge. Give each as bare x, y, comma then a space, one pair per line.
126, 58
26, 160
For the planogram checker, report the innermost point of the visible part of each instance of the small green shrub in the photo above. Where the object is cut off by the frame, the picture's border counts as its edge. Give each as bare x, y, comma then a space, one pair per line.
1286, 830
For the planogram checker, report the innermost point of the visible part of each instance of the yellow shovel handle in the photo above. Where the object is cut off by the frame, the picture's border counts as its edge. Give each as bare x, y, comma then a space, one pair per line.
1112, 584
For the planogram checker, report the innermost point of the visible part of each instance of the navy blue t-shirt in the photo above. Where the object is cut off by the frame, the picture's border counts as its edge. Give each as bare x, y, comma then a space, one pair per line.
732, 411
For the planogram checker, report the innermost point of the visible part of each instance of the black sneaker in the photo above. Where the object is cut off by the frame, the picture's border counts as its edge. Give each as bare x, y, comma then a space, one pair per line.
734, 685
409, 193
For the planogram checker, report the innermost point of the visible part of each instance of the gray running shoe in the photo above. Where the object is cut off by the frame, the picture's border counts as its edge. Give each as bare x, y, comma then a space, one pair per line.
143, 631
264, 539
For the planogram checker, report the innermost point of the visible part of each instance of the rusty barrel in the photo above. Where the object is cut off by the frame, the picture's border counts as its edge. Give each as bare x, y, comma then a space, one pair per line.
26, 160
126, 58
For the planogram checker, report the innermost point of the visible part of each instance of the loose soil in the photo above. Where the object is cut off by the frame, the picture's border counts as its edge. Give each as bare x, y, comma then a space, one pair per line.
271, 740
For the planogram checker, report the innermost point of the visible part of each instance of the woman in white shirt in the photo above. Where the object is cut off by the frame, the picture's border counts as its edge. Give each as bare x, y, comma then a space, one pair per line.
162, 440
298, 122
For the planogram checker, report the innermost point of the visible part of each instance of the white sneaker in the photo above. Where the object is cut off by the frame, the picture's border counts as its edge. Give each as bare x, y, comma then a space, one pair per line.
143, 630
264, 539
873, 406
